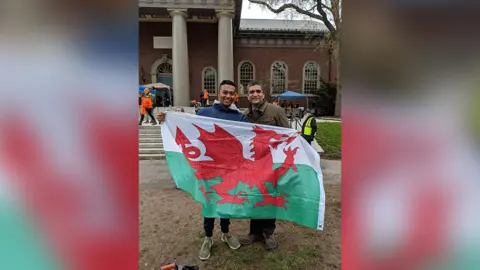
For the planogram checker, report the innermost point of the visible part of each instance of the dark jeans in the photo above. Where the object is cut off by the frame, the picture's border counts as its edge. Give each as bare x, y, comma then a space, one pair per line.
149, 111
259, 226
209, 223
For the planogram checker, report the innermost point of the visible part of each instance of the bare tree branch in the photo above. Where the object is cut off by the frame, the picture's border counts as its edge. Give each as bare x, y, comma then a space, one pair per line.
325, 6
289, 6
312, 8
323, 14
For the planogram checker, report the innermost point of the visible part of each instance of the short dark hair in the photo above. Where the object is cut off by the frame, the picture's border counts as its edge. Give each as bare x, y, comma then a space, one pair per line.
227, 82
255, 82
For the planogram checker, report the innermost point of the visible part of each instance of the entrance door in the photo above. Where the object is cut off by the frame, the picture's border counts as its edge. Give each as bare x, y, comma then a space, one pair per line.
165, 73
164, 76
165, 79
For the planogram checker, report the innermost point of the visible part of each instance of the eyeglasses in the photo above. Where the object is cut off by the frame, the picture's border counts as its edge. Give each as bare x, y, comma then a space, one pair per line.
258, 91
231, 93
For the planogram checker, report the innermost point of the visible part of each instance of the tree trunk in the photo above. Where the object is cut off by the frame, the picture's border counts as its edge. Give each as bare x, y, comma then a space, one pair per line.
338, 99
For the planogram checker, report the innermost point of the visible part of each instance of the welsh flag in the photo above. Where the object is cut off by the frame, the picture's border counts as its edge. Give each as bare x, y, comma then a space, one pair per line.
241, 170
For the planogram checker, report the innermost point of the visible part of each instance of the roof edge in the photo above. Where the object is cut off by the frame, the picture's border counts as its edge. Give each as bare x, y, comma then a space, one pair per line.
238, 15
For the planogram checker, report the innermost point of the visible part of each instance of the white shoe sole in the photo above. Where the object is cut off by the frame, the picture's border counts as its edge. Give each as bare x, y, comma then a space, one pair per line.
233, 248
204, 259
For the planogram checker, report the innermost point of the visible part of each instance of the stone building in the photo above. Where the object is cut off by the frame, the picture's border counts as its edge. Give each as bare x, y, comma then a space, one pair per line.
194, 44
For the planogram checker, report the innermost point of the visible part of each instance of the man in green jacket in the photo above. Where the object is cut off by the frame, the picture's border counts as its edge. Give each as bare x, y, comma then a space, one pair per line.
261, 112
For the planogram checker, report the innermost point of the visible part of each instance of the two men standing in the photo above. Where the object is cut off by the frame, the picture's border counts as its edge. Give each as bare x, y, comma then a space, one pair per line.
258, 112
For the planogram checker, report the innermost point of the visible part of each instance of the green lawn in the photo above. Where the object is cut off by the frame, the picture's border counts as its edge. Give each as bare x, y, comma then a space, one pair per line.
329, 137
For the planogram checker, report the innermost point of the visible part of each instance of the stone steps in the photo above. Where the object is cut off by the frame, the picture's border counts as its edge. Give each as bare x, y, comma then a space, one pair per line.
151, 157
151, 136
150, 143
150, 140
151, 151
149, 132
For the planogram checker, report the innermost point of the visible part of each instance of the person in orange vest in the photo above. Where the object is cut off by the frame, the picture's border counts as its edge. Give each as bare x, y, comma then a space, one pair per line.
235, 99
147, 106
205, 98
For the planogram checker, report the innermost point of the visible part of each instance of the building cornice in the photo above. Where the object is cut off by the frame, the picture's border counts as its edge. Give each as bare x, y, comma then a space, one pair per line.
265, 42
188, 4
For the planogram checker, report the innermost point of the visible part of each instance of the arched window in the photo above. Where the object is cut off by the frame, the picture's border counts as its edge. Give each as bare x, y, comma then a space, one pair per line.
165, 68
311, 78
209, 79
246, 73
279, 77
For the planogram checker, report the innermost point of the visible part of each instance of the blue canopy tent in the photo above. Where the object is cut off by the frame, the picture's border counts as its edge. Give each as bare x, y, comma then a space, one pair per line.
293, 95
141, 88
290, 95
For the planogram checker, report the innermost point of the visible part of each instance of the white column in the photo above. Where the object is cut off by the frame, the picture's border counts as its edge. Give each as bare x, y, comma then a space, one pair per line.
225, 46
180, 66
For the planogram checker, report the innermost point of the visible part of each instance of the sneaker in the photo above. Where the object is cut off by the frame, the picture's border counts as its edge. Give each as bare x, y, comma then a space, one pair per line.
270, 242
205, 249
250, 239
231, 241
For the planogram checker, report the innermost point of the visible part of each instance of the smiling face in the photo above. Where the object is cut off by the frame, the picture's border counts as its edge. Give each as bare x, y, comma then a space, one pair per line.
255, 94
226, 94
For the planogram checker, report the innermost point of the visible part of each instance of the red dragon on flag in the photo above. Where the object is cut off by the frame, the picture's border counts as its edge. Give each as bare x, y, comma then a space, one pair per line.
228, 162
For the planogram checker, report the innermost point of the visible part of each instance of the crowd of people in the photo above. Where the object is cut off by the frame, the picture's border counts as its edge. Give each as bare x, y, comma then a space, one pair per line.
259, 111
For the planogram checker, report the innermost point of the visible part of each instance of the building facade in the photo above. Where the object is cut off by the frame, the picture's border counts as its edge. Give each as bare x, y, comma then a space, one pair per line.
193, 45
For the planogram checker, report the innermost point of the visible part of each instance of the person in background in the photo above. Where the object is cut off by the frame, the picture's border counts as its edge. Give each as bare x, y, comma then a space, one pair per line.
147, 107
159, 102
235, 99
264, 113
223, 108
196, 105
167, 101
153, 95
275, 102
139, 103
201, 97
309, 128
205, 98
147, 93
